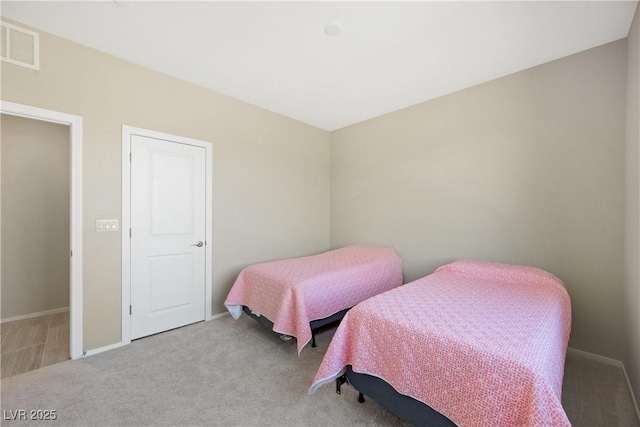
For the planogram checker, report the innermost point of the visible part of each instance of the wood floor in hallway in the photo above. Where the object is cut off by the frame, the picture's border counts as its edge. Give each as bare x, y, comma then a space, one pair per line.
33, 343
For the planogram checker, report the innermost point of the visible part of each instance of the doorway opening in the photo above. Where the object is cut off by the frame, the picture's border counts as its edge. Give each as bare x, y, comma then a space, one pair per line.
40, 233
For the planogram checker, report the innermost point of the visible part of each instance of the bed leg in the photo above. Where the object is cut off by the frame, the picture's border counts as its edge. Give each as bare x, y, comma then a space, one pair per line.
313, 338
339, 381
360, 397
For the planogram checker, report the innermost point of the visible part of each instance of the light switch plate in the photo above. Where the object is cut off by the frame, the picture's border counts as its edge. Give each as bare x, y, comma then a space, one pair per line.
107, 225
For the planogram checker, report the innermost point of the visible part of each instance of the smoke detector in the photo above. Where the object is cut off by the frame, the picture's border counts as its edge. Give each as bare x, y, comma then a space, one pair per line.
333, 29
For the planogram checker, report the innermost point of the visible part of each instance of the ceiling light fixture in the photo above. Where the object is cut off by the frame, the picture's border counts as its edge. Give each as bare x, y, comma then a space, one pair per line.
333, 29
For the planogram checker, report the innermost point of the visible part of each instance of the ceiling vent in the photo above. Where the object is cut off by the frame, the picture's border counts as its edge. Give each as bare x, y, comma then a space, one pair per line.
20, 46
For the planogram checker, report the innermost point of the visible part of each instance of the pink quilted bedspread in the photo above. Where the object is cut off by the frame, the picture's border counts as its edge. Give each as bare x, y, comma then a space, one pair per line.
293, 292
482, 343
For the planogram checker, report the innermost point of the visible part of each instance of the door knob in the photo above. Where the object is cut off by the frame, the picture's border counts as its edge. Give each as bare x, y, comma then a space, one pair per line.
199, 244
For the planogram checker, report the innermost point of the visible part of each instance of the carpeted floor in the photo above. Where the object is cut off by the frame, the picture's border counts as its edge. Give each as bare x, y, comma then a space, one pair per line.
227, 372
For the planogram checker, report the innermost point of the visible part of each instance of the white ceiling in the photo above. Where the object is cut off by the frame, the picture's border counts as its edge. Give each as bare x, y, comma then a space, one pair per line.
390, 55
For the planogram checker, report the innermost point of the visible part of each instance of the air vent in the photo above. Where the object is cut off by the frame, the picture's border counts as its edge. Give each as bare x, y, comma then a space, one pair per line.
20, 46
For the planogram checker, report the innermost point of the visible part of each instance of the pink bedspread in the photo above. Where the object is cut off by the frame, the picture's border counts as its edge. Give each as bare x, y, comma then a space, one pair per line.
482, 343
293, 292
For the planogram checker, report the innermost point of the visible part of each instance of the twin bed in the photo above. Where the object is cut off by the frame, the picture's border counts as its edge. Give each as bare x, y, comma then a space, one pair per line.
294, 297
473, 344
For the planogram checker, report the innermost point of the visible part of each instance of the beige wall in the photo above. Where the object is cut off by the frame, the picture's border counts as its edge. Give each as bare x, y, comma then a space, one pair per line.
270, 173
632, 226
35, 216
525, 169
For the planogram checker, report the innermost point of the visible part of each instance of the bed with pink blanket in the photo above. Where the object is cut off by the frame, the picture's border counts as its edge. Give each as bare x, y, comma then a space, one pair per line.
475, 343
299, 294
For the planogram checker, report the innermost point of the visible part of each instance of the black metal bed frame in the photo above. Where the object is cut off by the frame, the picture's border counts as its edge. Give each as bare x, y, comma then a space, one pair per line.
408, 408
314, 324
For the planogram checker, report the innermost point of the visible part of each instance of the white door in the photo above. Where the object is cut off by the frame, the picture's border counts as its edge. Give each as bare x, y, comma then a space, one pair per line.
167, 235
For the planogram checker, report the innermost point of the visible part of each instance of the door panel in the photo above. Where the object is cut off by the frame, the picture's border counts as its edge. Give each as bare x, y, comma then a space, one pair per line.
171, 186
167, 220
170, 278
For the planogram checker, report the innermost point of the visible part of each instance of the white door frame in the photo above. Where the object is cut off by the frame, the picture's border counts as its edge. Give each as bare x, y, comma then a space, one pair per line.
127, 132
75, 285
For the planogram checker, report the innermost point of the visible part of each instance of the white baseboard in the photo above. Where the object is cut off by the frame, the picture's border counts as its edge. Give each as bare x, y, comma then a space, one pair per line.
633, 397
29, 316
219, 315
608, 361
103, 349
597, 357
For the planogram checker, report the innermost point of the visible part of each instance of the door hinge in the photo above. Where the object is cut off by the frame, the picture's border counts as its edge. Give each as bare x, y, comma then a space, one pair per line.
130, 310
130, 158
129, 233
71, 253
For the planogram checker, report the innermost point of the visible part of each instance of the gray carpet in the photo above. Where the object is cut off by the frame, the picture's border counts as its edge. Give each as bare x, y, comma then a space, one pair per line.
227, 372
